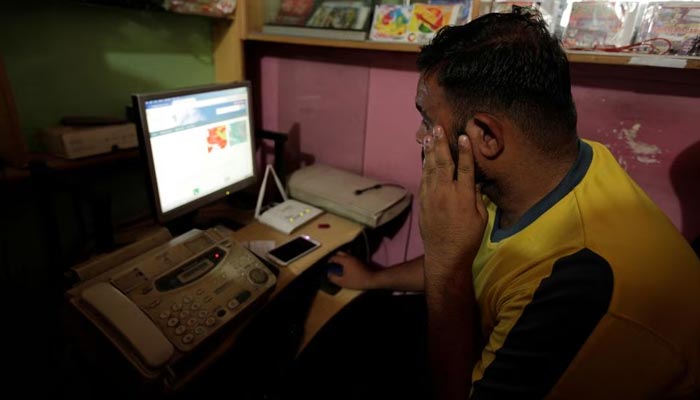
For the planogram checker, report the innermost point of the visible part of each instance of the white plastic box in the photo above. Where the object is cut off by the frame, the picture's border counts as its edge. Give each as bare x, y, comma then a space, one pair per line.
82, 141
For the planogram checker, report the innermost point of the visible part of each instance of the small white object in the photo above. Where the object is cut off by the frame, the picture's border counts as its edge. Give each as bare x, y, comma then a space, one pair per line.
260, 247
287, 216
78, 141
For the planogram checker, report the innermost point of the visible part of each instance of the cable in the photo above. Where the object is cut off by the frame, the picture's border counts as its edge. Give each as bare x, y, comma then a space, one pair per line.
377, 186
408, 237
410, 222
367, 255
4, 257
648, 46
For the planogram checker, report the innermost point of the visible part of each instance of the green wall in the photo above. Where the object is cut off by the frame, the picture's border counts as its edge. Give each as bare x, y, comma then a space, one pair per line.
66, 58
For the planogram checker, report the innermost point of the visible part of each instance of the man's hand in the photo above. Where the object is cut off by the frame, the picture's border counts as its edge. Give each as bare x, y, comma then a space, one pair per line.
452, 215
353, 274
452, 222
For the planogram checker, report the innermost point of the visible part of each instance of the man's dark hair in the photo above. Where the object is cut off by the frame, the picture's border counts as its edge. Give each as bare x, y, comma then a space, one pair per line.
506, 64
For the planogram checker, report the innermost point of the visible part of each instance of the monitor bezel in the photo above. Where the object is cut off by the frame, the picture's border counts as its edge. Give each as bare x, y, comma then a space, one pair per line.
139, 102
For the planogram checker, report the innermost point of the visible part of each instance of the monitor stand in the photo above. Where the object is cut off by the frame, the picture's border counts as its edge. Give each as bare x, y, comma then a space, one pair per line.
234, 212
182, 224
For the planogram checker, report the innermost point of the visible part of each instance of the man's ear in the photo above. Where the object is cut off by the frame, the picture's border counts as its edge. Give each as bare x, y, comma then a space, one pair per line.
486, 134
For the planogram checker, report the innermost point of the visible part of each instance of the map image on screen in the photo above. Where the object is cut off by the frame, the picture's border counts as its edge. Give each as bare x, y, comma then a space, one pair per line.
218, 137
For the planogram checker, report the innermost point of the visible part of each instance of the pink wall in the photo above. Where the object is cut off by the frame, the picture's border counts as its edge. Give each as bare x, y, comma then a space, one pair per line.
391, 152
647, 133
648, 119
355, 110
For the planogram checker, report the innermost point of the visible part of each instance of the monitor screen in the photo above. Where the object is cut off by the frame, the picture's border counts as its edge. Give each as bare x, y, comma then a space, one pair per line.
198, 143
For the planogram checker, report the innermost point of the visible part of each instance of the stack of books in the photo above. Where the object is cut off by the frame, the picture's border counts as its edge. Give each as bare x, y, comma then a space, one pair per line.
341, 20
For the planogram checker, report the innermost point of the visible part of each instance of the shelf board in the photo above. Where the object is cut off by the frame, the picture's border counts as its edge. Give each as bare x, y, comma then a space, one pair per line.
346, 44
600, 57
63, 164
13, 175
588, 57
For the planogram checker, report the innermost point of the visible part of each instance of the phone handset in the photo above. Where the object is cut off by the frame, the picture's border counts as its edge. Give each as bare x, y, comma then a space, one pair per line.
149, 342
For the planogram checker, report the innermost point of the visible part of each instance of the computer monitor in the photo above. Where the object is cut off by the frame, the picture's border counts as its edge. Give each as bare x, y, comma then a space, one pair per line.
198, 143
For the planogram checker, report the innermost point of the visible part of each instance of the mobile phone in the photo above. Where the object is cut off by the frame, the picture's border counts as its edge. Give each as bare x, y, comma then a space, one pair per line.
286, 253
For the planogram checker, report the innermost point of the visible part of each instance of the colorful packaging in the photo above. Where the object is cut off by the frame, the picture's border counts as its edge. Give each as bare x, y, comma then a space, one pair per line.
294, 12
427, 19
340, 15
677, 22
390, 23
600, 24
210, 8
465, 14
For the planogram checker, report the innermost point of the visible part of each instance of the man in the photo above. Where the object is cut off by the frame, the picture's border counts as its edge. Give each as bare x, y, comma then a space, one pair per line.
547, 271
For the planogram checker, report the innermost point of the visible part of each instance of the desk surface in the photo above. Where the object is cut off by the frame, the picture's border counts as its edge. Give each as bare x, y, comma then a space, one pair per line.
340, 232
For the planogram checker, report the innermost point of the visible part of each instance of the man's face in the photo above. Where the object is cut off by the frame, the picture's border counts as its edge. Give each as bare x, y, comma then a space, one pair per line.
435, 109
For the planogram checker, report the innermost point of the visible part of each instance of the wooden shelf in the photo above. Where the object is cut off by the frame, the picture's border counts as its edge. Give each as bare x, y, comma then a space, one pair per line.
253, 17
64, 164
574, 56
633, 59
13, 175
346, 44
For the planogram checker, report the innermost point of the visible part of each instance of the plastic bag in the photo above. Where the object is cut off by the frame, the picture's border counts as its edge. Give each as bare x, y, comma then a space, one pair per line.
600, 24
677, 23
210, 8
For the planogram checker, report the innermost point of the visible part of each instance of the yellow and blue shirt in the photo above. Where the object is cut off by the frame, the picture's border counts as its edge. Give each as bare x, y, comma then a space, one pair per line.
592, 294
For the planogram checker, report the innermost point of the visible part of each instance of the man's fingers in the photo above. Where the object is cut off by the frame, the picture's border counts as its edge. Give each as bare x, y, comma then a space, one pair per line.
444, 166
465, 164
438, 161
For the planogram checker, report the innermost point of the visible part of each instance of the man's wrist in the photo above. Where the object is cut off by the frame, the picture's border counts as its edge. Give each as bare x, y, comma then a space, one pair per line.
444, 268
382, 278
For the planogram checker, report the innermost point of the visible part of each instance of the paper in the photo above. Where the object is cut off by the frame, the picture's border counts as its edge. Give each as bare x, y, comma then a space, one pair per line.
260, 247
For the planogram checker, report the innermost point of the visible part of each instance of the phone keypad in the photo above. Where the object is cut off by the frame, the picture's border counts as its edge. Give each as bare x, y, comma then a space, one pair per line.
188, 338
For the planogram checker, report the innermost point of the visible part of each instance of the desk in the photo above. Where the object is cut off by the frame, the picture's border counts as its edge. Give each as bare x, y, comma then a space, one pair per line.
340, 232
180, 374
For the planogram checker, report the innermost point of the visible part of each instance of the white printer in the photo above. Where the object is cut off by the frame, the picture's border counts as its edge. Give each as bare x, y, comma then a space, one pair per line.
361, 199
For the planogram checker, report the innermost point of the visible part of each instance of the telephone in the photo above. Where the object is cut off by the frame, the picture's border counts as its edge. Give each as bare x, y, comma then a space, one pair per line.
161, 305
